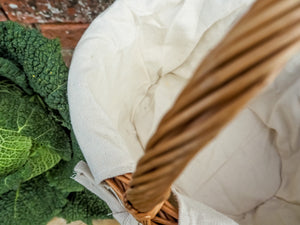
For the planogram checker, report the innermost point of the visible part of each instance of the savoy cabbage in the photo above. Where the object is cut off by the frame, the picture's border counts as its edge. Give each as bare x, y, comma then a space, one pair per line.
38, 150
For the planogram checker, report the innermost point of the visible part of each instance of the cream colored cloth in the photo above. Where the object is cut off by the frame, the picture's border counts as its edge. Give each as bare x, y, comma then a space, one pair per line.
126, 72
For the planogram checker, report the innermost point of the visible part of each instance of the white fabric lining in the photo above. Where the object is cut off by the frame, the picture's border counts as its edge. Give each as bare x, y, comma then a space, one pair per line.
248, 173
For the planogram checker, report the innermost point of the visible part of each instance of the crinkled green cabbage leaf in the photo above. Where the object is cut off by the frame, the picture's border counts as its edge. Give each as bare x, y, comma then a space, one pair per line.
38, 150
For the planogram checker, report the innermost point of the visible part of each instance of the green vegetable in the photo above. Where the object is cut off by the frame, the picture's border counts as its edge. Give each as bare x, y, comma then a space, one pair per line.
14, 151
24, 122
12, 71
60, 178
38, 150
34, 203
84, 206
40, 60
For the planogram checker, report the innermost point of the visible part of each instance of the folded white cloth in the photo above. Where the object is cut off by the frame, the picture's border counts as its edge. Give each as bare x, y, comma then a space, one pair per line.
191, 211
126, 72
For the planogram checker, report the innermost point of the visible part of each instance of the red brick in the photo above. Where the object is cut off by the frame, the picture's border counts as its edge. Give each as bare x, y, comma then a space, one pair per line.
69, 34
2, 16
54, 11
67, 55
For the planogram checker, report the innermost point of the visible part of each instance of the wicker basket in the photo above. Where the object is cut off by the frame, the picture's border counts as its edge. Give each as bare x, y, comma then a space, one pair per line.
246, 60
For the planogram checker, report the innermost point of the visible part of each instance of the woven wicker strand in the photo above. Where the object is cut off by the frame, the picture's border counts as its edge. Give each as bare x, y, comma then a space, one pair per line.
167, 215
247, 59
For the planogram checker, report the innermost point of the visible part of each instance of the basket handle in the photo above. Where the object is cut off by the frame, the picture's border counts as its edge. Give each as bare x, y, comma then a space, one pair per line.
247, 59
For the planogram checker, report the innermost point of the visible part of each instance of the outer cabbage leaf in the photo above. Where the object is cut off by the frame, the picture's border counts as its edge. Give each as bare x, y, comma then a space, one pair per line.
85, 206
14, 151
41, 61
40, 161
23, 118
10, 70
27, 116
34, 203
59, 176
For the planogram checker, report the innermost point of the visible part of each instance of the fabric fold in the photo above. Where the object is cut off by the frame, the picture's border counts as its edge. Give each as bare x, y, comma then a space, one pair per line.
126, 72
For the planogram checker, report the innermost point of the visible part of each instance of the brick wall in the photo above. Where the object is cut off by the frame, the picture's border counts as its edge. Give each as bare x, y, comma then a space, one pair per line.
65, 19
